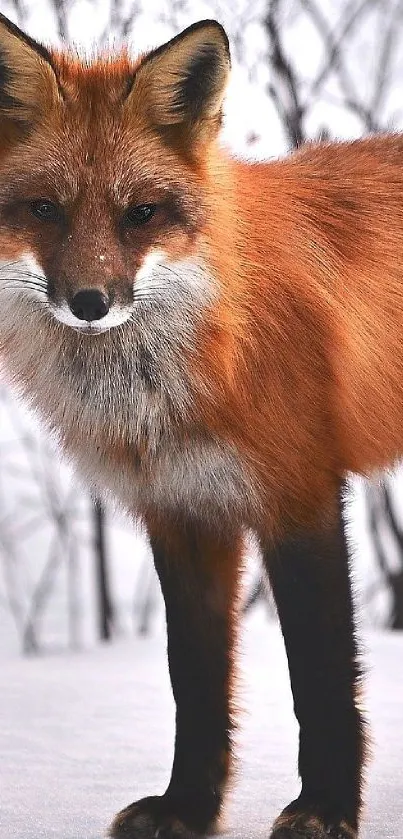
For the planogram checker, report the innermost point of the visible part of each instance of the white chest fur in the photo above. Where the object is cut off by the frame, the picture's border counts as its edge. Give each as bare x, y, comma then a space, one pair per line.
133, 383
203, 480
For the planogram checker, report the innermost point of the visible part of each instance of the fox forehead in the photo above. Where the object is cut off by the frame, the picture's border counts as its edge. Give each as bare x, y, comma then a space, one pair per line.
89, 139
77, 158
105, 80
74, 165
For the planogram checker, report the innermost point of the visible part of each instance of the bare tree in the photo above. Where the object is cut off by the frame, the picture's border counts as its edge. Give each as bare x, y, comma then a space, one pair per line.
381, 515
120, 21
335, 82
35, 503
105, 607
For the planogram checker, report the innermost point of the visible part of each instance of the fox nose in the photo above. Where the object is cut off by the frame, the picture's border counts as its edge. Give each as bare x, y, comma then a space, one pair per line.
90, 304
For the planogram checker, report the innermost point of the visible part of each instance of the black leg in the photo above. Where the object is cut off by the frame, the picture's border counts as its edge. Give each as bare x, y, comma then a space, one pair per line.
311, 585
199, 573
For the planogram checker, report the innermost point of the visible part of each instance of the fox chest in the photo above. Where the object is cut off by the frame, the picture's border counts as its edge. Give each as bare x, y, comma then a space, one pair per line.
142, 398
162, 464
202, 479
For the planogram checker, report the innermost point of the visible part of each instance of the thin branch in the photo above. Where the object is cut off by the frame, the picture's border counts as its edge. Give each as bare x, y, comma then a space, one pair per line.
350, 20
120, 21
60, 9
284, 91
391, 518
21, 10
352, 100
373, 515
391, 35
9, 564
40, 596
60, 543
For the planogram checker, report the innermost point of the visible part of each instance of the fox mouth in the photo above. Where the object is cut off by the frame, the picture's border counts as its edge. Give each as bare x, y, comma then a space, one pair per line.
117, 316
91, 329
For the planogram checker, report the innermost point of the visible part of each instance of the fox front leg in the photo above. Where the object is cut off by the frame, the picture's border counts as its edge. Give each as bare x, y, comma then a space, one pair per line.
199, 574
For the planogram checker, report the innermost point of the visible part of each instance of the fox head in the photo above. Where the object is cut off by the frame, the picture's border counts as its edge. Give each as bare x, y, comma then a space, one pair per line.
104, 197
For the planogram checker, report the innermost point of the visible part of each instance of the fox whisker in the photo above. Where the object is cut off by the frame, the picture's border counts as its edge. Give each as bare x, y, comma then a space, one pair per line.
17, 283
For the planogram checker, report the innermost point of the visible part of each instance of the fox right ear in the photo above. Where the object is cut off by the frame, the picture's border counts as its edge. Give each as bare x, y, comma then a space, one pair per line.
28, 83
183, 82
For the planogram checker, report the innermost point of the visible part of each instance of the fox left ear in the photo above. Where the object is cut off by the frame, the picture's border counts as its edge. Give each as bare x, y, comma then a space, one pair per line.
183, 82
28, 82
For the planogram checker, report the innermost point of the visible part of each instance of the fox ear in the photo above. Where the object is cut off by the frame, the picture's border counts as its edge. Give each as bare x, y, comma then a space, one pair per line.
184, 81
28, 81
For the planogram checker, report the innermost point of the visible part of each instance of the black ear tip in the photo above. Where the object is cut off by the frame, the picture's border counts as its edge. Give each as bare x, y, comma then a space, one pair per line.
212, 25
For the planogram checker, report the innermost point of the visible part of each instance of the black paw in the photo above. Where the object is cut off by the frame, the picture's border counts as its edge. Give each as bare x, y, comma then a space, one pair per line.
150, 818
296, 822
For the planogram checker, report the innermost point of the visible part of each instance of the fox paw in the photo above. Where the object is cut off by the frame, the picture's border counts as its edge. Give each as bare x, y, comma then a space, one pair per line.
297, 824
150, 818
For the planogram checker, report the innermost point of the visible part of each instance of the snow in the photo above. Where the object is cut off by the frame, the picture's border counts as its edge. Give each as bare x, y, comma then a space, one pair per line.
82, 735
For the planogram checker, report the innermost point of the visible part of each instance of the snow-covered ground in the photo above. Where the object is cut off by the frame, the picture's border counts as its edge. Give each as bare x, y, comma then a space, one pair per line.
83, 735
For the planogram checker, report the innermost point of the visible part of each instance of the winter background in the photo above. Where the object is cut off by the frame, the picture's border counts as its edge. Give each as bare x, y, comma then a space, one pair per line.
86, 714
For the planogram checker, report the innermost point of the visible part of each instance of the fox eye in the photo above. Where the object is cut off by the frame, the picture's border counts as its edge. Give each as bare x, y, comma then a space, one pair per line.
140, 214
45, 210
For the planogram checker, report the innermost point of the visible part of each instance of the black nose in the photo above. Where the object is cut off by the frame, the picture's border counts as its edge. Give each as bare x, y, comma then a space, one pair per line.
90, 304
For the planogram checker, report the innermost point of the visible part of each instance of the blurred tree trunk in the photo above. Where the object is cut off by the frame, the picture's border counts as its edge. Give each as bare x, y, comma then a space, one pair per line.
395, 577
380, 511
105, 607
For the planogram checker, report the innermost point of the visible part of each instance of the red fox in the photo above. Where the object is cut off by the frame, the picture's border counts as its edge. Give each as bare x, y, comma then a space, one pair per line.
217, 344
